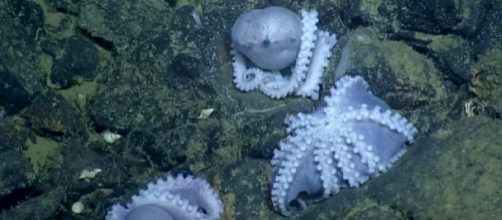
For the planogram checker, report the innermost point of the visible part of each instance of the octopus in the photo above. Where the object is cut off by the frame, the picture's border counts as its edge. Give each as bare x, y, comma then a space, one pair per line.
269, 42
353, 137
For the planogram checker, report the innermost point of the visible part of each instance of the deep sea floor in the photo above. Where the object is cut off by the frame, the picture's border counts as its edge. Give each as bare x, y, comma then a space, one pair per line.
100, 97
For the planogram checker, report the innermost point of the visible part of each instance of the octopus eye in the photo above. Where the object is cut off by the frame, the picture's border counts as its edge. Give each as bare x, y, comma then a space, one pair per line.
266, 43
202, 210
249, 77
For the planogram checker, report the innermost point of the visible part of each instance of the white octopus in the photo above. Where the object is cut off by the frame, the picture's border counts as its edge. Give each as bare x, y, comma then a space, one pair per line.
267, 41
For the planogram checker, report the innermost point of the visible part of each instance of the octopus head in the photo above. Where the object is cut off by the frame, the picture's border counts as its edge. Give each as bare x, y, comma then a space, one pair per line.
149, 212
269, 37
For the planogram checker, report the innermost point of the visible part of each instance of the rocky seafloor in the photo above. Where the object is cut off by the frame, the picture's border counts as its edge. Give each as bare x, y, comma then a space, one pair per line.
74, 70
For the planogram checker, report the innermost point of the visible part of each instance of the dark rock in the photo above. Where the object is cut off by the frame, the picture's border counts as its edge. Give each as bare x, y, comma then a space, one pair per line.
75, 158
333, 18
458, 169
473, 16
79, 61
124, 24
454, 55
12, 136
126, 110
20, 70
66, 6
358, 14
155, 53
244, 189
185, 65
14, 172
30, 15
166, 149
489, 27
43, 207
369, 209
151, 87
15, 169
486, 82
431, 16
13, 96
261, 133
162, 150
51, 115
144, 96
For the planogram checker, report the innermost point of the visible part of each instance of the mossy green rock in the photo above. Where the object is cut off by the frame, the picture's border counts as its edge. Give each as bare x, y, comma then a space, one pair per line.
454, 173
407, 80
486, 80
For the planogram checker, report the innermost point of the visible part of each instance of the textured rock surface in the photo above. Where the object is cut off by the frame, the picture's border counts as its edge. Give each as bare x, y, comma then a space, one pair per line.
51, 114
147, 69
13, 96
486, 82
469, 145
79, 61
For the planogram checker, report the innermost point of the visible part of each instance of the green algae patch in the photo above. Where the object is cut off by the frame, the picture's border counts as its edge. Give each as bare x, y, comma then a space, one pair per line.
372, 52
197, 4
372, 9
62, 22
444, 42
412, 66
43, 154
195, 151
370, 209
229, 202
453, 54
244, 187
80, 93
467, 173
230, 149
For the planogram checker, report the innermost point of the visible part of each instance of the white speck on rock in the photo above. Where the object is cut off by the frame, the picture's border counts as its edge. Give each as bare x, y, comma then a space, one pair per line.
110, 137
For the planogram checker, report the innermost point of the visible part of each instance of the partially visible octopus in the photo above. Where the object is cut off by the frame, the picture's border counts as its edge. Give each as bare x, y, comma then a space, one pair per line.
173, 198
